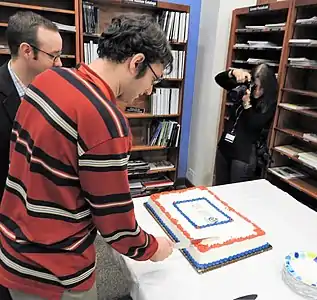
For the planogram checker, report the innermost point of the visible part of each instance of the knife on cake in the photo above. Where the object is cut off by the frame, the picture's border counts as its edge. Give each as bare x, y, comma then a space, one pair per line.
247, 297
187, 243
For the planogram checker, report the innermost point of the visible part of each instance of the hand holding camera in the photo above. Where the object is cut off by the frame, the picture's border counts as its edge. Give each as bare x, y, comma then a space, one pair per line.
241, 76
244, 87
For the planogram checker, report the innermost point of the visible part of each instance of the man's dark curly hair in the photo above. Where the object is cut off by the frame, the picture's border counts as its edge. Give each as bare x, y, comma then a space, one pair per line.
132, 33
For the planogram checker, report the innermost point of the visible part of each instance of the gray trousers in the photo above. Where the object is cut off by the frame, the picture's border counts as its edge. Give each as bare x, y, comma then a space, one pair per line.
232, 171
68, 295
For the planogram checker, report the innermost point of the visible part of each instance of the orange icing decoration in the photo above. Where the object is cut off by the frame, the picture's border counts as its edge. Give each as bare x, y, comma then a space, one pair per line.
198, 243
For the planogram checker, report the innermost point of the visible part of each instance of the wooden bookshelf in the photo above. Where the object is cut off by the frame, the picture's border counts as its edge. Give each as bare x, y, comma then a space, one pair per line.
245, 26
296, 114
63, 12
142, 123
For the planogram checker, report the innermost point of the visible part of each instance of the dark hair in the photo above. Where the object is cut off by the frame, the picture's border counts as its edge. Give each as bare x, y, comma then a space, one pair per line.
269, 85
22, 28
132, 33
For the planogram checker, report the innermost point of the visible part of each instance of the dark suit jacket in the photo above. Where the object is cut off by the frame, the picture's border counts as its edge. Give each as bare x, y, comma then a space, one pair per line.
9, 103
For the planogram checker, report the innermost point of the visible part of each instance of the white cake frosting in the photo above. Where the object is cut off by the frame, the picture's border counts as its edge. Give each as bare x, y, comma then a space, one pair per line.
197, 213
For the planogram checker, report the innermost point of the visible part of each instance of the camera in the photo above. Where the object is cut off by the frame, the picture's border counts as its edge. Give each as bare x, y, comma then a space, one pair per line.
236, 94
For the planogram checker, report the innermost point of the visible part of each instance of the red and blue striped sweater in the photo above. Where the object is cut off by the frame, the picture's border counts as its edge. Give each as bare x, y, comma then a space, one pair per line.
68, 178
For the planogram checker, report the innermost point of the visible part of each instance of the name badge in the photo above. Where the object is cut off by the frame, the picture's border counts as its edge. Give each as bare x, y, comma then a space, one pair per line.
230, 138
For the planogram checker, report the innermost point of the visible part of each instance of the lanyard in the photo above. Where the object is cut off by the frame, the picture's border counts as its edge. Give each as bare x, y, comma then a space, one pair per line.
238, 114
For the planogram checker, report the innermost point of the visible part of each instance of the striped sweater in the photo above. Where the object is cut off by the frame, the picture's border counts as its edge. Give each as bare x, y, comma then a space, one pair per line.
68, 178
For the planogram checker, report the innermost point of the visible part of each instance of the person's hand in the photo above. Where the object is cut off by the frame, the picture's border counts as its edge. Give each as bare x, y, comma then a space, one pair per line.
246, 101
164, 250
241, 75
246, 98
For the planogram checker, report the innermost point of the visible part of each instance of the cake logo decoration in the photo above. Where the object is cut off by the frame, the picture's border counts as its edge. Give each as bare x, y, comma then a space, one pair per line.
201, 213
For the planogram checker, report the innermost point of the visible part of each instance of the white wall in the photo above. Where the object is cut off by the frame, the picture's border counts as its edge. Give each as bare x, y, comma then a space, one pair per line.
215, 23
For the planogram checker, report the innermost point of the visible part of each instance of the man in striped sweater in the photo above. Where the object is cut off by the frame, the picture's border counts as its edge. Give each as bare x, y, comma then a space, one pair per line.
68, 177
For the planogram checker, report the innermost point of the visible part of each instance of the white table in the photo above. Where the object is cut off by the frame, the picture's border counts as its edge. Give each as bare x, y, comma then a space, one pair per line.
290, 226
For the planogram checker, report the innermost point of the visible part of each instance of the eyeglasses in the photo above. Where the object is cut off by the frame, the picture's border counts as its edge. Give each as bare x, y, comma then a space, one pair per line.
54, 57
157, 79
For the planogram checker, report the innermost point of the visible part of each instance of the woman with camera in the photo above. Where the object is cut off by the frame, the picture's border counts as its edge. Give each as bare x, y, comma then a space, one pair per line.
254, 97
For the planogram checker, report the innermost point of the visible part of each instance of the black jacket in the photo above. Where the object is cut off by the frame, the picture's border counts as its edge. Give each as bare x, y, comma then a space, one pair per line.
9, 103
249, 126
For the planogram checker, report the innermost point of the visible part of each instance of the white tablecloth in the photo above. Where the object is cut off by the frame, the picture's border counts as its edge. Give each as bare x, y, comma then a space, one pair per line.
290, 226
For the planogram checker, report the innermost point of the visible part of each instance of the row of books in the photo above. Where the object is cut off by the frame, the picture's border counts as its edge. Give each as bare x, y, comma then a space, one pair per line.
165, 133
141, 167
165, 101
90, 52
178, 65
175, 25
146, 186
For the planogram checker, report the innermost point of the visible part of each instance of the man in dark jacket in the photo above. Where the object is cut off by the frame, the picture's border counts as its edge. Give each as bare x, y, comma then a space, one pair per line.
35, 45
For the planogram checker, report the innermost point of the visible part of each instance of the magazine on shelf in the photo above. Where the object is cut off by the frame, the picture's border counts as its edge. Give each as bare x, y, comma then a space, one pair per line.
302, 61
303, 42
297, 106
275, 25
255, 27
309, 158
292, 150
312, 137
287, 172
307, 21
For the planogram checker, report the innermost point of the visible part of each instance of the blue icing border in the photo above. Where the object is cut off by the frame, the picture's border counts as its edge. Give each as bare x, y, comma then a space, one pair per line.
176, 204
212, 264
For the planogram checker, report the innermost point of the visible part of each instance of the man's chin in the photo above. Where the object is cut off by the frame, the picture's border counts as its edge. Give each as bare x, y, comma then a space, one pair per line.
126, 99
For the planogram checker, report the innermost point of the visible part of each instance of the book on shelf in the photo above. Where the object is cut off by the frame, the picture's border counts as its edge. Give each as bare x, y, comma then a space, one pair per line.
291, 150
141, 167
146, 186
90, 52
297, 106
165, 101
312, 137
178, 65
166, 134
90, 17
157, 182
138, 167
287, 172
161, 165
175, 25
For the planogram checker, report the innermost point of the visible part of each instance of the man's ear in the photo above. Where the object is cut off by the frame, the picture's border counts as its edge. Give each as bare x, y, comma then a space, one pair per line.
26, 50
136, 63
